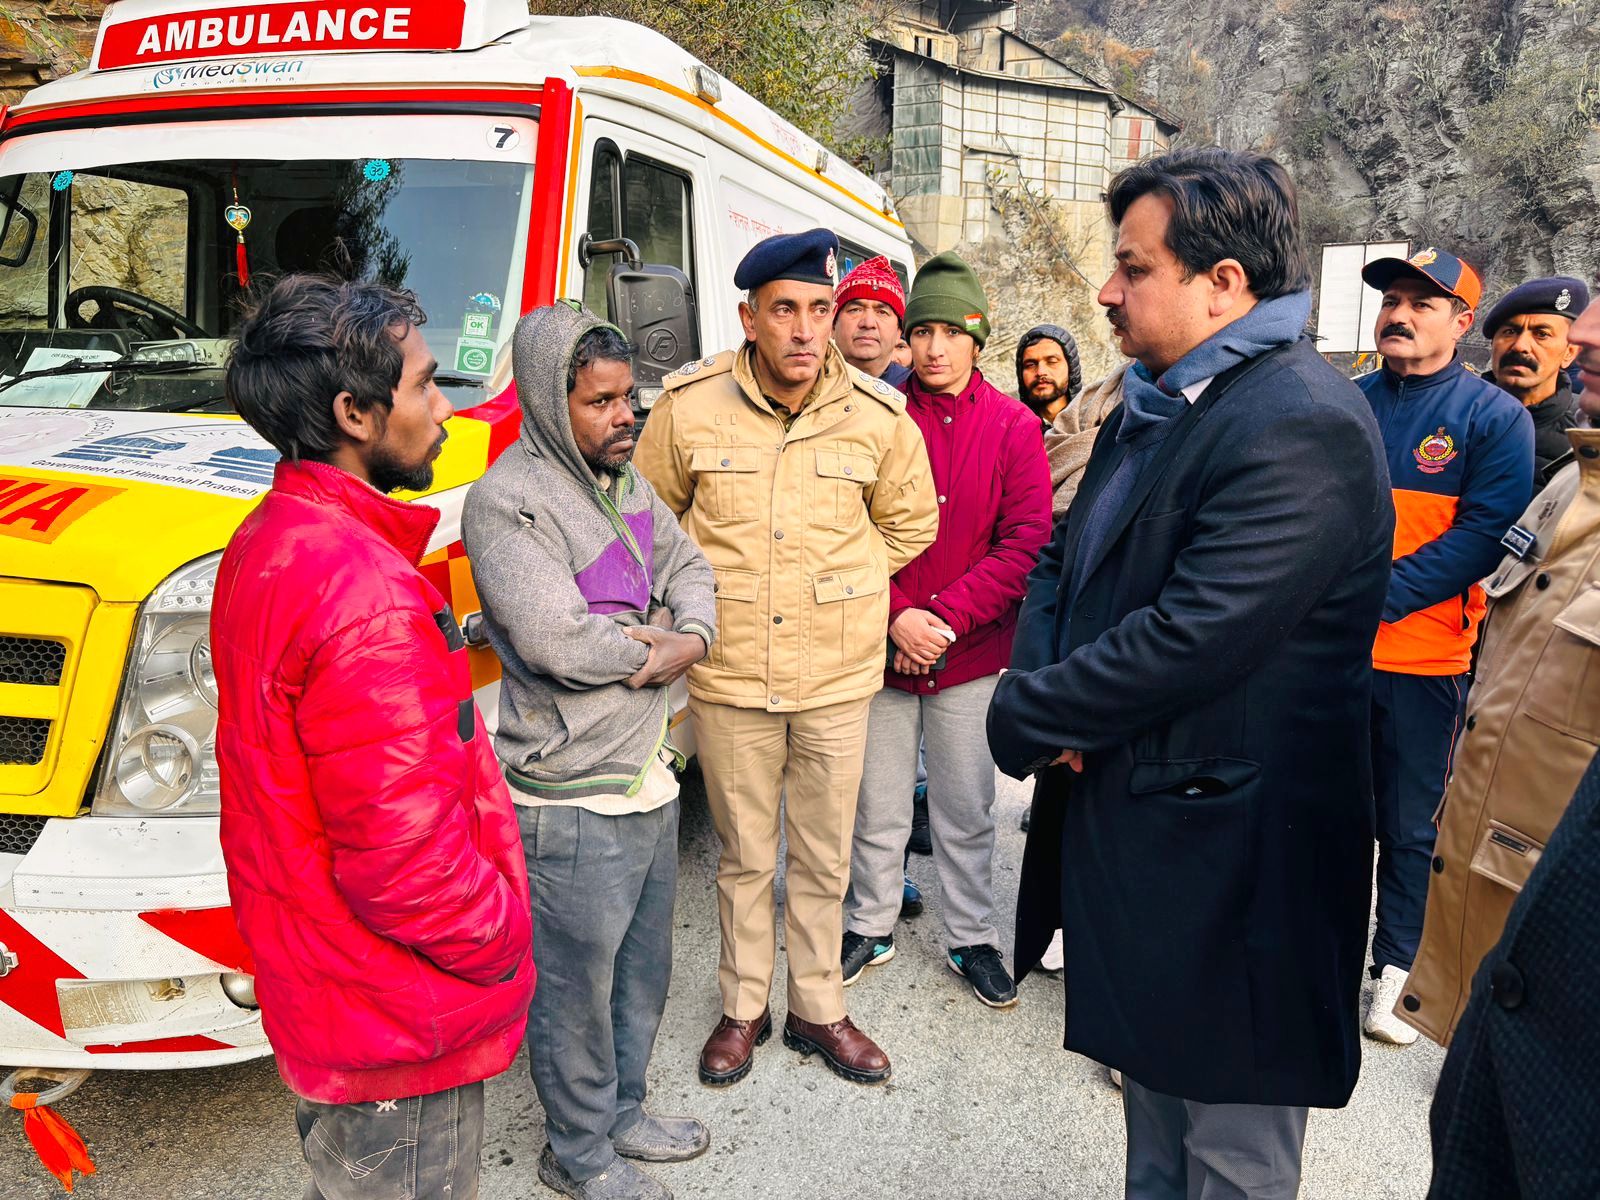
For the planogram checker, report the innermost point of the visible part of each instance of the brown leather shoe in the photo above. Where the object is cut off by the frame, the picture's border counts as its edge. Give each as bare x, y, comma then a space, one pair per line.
848, 1052
727, 1053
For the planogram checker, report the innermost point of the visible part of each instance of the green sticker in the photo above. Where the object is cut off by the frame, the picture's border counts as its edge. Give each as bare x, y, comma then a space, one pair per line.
474, 356
477, 325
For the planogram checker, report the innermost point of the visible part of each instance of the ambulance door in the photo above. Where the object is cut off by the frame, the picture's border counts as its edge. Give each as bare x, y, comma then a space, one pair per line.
638, 186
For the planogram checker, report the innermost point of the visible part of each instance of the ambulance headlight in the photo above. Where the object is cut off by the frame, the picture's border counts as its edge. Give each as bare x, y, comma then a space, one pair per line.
161, 758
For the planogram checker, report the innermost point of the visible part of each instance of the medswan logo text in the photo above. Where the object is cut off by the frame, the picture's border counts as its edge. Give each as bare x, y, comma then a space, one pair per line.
249, 71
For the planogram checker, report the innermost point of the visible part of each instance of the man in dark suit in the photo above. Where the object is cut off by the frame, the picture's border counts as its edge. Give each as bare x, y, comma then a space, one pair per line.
1519, 1097
1191, 681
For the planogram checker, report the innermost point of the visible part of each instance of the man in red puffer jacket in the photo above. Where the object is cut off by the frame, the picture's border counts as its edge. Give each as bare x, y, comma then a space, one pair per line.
372, 852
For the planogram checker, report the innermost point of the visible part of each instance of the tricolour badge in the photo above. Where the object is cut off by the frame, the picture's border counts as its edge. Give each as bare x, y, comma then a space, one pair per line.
973, 320
1435, 453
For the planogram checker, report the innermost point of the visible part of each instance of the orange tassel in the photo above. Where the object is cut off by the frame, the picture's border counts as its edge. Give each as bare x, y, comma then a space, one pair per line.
54, 1140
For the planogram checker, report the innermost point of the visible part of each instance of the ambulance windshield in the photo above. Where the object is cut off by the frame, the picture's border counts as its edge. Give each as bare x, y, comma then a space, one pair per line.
120, 284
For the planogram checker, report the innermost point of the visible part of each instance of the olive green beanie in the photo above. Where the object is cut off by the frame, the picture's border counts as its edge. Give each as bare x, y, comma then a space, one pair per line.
946, 290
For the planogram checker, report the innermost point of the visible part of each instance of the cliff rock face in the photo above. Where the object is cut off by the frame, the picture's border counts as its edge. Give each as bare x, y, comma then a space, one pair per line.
1466, 123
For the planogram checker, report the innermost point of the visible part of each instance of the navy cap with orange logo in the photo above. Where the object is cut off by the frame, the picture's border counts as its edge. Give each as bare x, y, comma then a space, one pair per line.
1438, 267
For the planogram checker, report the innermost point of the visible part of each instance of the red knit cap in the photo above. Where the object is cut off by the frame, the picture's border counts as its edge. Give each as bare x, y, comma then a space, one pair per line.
873, 280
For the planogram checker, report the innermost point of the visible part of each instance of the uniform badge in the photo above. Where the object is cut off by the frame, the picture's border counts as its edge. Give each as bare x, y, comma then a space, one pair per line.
882, 388
1423, 258
1564, 300
1435, 453
710, 362
973, 320
833, 267
1519, 541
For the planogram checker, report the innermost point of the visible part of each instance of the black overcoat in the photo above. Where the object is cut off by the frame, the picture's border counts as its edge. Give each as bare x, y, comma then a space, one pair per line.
1211, 868
1517, 1110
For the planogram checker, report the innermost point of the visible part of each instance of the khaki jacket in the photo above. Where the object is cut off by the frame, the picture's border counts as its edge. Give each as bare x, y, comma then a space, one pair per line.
803, 527
1533, 722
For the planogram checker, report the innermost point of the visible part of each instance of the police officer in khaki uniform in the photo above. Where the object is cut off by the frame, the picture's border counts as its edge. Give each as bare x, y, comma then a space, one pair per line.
1533, 722
807, 486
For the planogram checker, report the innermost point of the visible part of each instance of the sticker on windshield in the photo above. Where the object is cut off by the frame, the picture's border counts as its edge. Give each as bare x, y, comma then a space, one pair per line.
477, 325
62, 181
487, 300
503, 137
474, 356
58, 391
376, 170
225, 458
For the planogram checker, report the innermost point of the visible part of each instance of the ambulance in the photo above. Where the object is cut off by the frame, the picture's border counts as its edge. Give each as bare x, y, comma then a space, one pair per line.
487, 160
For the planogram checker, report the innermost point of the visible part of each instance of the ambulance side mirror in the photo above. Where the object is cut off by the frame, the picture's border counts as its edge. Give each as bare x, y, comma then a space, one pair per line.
18, 228
653, 305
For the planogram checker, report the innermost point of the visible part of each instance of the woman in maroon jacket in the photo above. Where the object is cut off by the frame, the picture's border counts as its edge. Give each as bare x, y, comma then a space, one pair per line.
952, 611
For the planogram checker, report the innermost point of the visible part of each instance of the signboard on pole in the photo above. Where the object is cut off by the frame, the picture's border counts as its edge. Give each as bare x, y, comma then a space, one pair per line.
1347, 308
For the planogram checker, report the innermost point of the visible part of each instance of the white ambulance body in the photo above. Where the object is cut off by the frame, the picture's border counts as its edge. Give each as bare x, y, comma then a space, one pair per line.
462, 149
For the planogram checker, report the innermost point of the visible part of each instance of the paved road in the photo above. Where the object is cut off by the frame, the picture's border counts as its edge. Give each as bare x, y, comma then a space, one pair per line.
982, 1103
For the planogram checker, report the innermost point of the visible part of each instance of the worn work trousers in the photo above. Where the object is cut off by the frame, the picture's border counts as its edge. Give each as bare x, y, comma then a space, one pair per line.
960, 811
811, 762
1415, 721
1185, 1150
416, 1147
602, 890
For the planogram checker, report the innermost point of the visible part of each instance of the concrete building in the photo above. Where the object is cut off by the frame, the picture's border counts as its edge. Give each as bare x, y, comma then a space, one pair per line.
979, 119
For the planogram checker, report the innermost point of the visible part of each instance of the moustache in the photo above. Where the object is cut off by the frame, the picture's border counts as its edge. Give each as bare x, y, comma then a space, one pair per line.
622, 435
1117, 318
1398, 331
1513, 359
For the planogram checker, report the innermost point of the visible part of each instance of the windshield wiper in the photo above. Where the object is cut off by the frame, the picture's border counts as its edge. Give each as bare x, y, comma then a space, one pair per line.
142, 366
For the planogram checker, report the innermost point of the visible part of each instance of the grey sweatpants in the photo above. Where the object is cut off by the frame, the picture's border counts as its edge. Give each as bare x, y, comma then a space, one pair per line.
1186, 1150
602, 890
950, 728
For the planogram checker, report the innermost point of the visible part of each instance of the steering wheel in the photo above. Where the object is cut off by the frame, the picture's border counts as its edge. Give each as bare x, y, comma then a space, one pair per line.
122, 309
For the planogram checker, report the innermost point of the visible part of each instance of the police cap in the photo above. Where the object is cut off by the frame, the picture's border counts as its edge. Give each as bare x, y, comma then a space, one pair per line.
809, 257
1560, 295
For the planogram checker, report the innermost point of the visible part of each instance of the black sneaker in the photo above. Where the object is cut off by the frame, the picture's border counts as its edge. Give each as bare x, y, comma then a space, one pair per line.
921, 840
1027, 817
858, 953
982, 968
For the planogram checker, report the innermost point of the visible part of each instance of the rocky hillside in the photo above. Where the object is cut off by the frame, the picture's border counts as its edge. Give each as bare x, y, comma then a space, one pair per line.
1469, 123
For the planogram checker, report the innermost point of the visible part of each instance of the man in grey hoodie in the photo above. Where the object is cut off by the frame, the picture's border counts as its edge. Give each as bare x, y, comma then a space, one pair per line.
595, 601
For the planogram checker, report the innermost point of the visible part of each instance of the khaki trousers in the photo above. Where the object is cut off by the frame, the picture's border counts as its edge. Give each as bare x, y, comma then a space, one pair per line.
811, 763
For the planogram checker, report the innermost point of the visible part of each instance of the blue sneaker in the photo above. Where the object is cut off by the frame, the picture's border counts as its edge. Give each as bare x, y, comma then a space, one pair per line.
911, 899
858, 953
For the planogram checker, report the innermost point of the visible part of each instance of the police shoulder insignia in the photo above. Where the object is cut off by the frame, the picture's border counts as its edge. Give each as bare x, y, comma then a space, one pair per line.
882, 388
1519, 541
1435, 452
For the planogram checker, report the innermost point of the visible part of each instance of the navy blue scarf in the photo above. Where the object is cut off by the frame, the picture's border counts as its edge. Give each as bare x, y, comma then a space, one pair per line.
1270, 324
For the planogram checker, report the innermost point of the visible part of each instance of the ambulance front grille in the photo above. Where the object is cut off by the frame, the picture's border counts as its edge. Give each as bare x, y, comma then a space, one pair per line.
32, 660
22, 740
19, 833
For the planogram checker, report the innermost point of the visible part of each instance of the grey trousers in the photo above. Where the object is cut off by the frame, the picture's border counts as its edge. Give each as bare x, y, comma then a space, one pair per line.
950, 728
602, 890
408, 1148
1185, 1150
